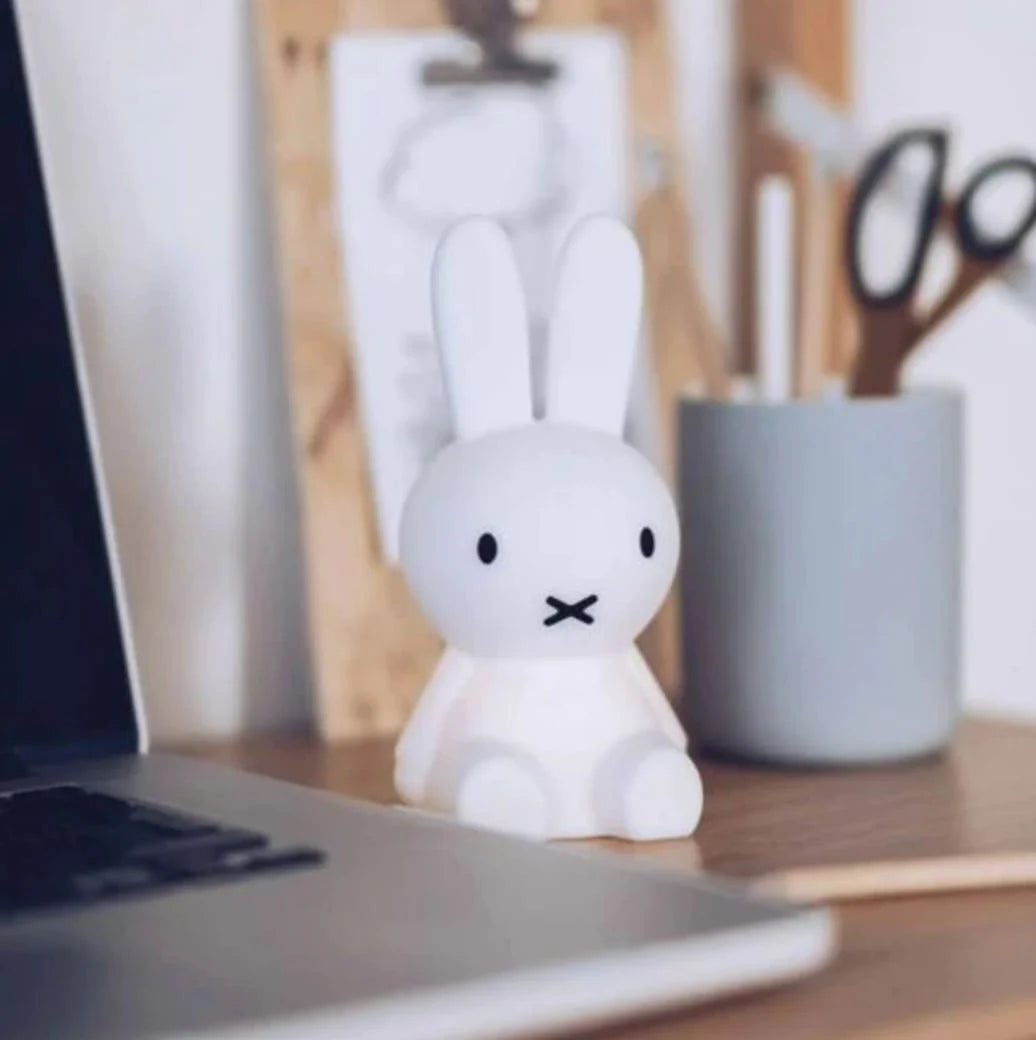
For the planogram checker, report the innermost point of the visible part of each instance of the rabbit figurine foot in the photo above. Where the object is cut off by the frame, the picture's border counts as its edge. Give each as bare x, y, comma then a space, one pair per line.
503, 792
649, 790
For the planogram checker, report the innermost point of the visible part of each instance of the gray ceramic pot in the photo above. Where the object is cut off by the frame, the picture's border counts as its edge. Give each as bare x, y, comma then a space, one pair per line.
820, 578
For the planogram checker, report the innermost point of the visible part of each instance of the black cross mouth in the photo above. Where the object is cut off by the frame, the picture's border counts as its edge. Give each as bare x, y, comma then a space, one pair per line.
576, 611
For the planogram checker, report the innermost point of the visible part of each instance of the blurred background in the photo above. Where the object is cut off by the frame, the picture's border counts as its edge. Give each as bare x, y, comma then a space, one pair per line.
152, 133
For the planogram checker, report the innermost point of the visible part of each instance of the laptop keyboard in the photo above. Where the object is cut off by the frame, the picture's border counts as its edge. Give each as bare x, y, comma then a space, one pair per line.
70, 845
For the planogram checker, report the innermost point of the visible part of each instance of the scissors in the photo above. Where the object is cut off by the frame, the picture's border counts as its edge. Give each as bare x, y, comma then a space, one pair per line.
890, 325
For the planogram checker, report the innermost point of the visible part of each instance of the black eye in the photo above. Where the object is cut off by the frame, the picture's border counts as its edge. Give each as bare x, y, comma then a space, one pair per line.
487, 548
647, 541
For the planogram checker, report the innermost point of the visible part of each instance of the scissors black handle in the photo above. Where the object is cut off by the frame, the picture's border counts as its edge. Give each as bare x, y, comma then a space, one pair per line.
973, 240
869, 183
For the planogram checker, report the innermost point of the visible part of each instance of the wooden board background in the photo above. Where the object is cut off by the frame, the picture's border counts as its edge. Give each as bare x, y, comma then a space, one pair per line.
371, 650
812, 39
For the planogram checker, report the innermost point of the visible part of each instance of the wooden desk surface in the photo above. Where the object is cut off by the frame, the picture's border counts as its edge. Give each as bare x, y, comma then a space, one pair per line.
935, 968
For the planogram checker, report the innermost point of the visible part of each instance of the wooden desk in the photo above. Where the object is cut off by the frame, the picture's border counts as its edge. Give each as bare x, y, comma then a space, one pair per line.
913, 969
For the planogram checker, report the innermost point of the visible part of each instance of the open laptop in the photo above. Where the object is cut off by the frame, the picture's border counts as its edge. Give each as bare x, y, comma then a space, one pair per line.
143, 895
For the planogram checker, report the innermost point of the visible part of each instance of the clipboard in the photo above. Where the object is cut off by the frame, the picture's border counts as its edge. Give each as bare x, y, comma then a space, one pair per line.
370, 648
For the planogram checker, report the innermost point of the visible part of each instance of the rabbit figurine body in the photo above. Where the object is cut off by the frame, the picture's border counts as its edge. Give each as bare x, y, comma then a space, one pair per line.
540, 550
605, 763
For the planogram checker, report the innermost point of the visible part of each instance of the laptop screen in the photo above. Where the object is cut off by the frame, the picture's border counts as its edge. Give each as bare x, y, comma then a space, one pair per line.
64, 684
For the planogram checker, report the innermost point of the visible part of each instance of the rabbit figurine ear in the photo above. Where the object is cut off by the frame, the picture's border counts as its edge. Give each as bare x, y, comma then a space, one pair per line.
594, 326
478, 311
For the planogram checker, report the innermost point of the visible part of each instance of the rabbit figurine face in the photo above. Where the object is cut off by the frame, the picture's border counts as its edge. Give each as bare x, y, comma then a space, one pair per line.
540, 549
546, 541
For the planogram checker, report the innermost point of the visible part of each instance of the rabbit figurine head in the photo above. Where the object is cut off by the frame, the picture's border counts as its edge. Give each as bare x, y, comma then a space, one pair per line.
529, 538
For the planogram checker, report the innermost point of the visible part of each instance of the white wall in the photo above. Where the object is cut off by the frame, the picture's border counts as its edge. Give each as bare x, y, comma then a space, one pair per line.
971, 66
148, 130
149, 126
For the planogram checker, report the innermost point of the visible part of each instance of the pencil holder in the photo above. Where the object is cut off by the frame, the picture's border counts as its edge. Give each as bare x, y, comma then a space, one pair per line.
820, 576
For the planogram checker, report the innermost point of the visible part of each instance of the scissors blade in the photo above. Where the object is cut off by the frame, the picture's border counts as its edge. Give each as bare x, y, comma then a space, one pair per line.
805, 117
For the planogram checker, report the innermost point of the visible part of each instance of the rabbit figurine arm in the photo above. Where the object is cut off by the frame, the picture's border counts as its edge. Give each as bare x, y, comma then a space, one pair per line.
419, 742
658, 702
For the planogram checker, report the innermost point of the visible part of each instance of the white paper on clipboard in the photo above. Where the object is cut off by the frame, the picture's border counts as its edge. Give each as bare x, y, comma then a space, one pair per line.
411, 159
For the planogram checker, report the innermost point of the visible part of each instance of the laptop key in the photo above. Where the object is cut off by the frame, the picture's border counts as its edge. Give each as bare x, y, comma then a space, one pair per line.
242, 862
113, 881
198, 846
281, 859
173, 824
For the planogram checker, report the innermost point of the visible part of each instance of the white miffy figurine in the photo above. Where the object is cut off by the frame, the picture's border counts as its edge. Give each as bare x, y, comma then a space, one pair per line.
540, 550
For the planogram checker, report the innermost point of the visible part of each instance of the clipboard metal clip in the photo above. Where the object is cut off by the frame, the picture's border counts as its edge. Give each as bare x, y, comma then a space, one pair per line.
493, 26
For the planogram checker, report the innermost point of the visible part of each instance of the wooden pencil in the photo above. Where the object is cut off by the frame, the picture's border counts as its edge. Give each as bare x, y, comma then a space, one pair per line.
816, 285
890, 878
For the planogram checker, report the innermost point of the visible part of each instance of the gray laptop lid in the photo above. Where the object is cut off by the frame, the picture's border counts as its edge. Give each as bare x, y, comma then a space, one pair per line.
65, 689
